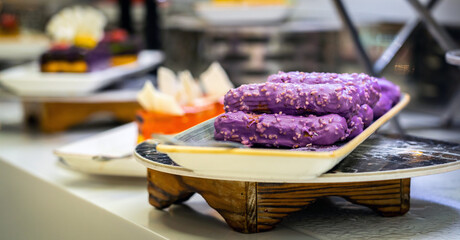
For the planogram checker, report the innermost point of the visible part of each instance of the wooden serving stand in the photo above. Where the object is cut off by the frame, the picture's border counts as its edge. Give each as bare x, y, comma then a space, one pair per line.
377, 174
59, 114
251, 207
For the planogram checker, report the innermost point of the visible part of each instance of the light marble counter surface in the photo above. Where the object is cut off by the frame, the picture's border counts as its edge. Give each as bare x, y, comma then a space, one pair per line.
39, 199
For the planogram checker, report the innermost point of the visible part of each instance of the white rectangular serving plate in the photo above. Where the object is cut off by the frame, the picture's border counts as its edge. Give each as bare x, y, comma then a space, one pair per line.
27, 80
264, 163
25, 46
241, 15
116, 144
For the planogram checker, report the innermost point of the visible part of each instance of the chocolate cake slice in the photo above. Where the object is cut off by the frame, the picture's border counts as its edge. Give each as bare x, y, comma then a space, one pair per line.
75, 59
123, 48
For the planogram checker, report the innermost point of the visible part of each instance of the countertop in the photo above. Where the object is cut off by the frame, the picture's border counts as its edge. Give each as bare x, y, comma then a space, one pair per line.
40, 199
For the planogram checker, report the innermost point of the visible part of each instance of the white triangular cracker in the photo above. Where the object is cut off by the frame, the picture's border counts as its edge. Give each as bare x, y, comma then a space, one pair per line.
154, 101
215, 81
189, 88
167, 81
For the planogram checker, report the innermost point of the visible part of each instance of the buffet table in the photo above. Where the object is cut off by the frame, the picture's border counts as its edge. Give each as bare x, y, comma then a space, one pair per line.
43, 200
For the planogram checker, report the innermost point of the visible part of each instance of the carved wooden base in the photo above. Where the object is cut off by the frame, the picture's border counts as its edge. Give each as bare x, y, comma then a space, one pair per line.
251, 207
59, 116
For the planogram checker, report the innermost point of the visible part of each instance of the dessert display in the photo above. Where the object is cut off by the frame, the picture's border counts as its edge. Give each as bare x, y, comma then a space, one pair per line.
123, 48
76, 33
179, 102
298, 109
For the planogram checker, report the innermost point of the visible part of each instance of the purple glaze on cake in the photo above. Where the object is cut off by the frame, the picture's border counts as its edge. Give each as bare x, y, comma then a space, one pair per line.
382, 106
293, 99
367, 86
355, 127
279, 130
345, 103
366, 114
390, 96
390, 89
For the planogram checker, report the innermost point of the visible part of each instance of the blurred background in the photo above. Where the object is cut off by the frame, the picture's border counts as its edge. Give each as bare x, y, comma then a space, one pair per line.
253, 39
67, 133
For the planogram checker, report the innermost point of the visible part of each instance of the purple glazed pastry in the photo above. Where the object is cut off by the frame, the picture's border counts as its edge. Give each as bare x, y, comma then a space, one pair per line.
382, 106
366, 114
355, 127
390, 89
359, 120
367, 86
293, 99
279, 130
390, 96
344, 105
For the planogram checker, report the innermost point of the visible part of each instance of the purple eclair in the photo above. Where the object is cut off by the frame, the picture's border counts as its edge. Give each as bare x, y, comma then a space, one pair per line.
366, 114
293, 99
368, 87
355, 127
390, 96
279, 130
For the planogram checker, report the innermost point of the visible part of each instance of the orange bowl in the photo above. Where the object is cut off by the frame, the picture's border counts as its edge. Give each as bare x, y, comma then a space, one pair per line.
151, 122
